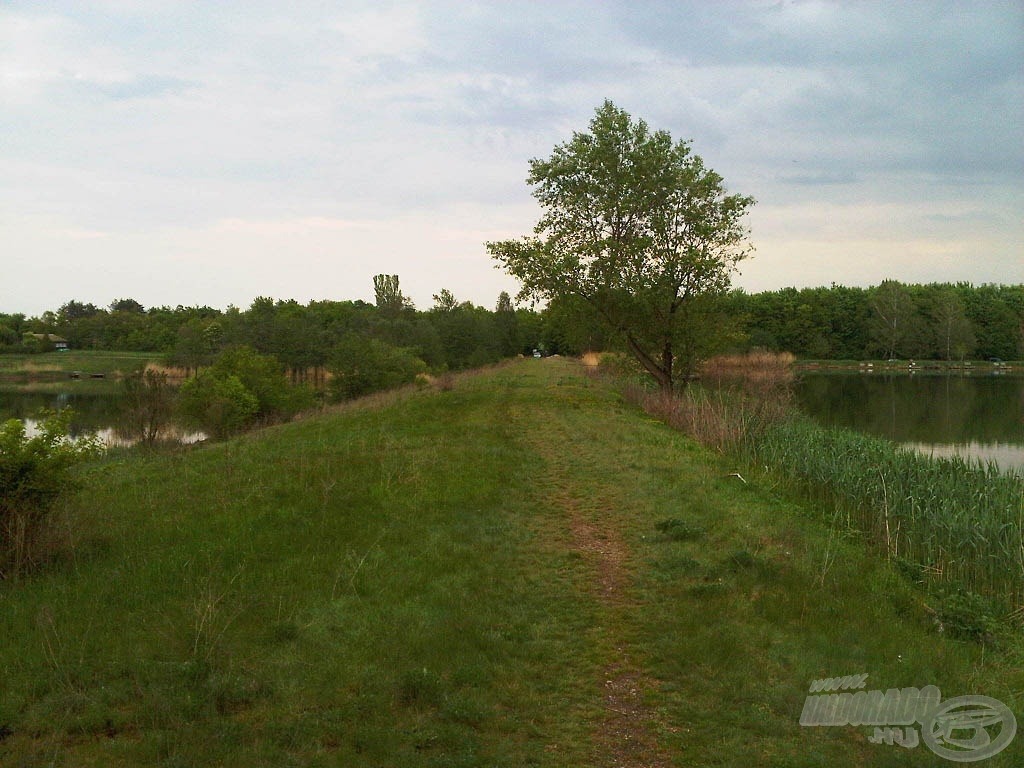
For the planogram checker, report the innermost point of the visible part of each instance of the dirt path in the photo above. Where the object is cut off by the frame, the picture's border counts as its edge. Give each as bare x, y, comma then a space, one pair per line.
626, 737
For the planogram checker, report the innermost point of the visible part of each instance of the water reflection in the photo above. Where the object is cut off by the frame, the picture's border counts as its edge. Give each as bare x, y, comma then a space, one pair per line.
115, 437
974, 416
98, 414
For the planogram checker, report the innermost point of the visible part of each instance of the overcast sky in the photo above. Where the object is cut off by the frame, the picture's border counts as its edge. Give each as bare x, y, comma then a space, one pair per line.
211, 152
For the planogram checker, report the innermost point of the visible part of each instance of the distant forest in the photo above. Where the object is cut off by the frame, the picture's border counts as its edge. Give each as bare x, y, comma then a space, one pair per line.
891, 320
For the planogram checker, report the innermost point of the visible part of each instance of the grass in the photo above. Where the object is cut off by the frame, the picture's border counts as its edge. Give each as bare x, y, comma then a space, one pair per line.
953, 523
53, 364
458, 578
958, 520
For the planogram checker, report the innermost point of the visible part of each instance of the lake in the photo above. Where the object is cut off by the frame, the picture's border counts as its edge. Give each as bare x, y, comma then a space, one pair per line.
95, 412
978, 415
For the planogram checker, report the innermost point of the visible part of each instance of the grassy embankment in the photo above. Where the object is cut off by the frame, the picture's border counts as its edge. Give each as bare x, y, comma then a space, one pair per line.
524, 570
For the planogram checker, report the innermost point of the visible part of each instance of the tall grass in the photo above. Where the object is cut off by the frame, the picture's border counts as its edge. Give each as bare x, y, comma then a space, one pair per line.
950, 520
736, 398
956, 520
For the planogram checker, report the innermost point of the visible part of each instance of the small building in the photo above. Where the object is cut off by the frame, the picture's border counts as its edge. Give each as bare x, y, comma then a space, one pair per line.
59, 342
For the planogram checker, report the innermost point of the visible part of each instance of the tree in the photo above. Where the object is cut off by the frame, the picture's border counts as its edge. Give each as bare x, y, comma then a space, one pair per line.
507, 326
636, 227
147, 405
219, 403
126, 305
264, 377
954, 337
444, 301
389, 298
361, 366
76, 310
894, 327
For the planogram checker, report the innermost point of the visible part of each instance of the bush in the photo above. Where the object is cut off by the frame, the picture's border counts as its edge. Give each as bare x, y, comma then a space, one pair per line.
360, 366
967, 616
263, 376
147, 405
218, 403
239, 389
34, 473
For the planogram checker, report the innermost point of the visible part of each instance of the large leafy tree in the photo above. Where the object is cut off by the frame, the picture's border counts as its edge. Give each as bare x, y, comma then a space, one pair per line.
635, 228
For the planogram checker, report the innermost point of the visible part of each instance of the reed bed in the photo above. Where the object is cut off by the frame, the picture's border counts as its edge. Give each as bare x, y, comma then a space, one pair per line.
955, 519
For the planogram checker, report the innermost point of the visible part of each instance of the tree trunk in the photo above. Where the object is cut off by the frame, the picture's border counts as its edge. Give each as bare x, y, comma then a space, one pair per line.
662, 375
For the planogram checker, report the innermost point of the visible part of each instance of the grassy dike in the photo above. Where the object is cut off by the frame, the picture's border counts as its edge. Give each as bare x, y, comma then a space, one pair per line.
523, 571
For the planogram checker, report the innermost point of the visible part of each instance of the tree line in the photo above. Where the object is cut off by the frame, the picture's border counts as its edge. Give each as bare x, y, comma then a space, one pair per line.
305, 338
938, 321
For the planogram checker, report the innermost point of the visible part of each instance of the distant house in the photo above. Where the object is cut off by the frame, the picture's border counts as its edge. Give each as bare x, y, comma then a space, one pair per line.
59, 342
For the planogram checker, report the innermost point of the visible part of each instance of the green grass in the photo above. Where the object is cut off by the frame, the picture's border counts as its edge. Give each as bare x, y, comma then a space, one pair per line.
959, 520
50, 364
451, 578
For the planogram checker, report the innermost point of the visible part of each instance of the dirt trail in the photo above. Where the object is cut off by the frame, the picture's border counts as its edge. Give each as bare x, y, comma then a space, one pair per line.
626, 736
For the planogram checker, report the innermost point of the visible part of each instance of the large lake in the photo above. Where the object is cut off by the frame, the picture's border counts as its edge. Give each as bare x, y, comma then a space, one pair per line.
978, 415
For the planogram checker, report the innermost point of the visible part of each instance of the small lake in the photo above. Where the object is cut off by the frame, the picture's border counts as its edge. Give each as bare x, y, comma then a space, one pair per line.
94, 413
978, 416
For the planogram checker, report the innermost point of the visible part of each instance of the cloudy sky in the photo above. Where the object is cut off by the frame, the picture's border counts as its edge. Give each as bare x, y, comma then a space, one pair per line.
211, 152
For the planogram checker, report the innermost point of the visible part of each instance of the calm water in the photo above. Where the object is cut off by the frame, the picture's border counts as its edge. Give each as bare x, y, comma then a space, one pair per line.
980, 416
94, 413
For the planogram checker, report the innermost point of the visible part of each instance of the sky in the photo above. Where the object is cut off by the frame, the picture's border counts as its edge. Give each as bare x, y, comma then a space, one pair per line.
206, 153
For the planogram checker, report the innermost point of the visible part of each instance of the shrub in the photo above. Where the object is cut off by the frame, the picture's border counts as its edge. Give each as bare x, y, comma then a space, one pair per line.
218, 403
148, 405
360, 366
34, 473
263, 376
967, 616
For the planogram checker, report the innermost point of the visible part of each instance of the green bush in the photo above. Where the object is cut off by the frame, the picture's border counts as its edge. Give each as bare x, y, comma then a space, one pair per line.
967, 616
360, 366
218, 403
34, 473
239, 389
147, 405
263, 376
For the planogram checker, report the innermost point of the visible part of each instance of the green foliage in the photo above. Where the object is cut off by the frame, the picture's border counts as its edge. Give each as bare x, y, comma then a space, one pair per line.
968, 616
361, 366
239, 389
937, 321
34, 473
263, 376
636, 227
388, 295
958, 520
219, 403
148, 404
895, 328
